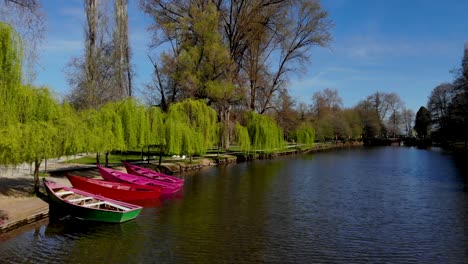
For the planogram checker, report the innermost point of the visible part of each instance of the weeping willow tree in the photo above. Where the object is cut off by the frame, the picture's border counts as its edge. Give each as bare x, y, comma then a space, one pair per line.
110, 131
242, 138
104, 130
11, 55
156, 130
264, 133
33, 125
304, 134
129, 115
156, 126
135, 123
191, 128
38, 143
72, 136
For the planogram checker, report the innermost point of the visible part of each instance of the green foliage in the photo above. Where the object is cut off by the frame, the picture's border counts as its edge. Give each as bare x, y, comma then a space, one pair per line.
423, 122
72, 132
204, 61
38, 141
36, 104
112, 129
191, 128
11, 54
10, 145
264, 133
129, 114
242, 138
305, 134
156, 126
324, 127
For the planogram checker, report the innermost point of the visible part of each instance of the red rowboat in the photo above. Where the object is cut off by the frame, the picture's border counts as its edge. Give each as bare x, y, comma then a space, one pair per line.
115, 190
140, 171
88, 206
118, 176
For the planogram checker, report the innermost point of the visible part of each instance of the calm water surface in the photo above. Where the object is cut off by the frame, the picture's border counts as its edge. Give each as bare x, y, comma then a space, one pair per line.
378, 205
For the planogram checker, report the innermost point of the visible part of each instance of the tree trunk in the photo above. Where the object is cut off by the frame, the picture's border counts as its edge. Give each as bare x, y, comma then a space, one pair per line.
107, 159
225, 135
97, 159
148, 154
37, 164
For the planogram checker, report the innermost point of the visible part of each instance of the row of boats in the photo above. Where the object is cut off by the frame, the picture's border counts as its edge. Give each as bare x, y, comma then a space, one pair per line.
109, 200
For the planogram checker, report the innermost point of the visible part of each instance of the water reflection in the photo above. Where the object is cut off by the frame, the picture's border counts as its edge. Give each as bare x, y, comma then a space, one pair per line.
395, 205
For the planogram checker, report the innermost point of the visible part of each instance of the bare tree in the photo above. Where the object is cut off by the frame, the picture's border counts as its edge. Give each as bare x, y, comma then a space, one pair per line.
407, 116
325, 101
93, 79
439, 102
122, 49
380, 104
395, 104
27, 17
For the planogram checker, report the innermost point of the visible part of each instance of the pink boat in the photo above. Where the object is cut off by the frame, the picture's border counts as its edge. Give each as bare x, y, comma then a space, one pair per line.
144, 172
118, 176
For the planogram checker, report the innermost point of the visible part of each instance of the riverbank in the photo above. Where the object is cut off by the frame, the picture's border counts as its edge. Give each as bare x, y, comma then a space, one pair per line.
18, 208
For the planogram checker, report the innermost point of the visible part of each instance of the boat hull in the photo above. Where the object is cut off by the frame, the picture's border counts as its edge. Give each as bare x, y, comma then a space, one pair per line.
118, 176
90, 214
144, 172
114, 190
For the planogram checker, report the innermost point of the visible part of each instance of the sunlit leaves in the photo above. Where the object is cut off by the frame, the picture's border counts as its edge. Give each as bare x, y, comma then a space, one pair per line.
191, 127
305, 134
242, 138
264, 133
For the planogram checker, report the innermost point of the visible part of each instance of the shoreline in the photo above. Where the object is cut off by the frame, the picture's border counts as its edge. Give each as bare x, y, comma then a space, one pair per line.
22, 210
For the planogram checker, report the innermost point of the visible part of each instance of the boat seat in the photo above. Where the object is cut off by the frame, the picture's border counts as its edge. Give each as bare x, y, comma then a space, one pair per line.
118, 206
93, 204
64, 193
80, 199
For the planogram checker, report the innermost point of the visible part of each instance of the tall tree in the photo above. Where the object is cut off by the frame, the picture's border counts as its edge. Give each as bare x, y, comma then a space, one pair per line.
266, 40
379, 102
395, 104
326, 101
370, 121
122, 50
93, 79
407, 116
422, 123
460, 100
439, 105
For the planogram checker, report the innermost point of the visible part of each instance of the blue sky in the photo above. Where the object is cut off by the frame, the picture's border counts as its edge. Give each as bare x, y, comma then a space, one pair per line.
407, 47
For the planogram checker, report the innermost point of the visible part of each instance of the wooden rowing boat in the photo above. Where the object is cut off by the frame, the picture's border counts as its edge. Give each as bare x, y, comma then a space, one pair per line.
115, 190
88, 206
118, 176
144, 172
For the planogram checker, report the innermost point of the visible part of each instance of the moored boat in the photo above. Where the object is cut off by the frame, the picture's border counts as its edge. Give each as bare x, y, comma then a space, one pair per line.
118, 176
115, 190
88, 206
144, 172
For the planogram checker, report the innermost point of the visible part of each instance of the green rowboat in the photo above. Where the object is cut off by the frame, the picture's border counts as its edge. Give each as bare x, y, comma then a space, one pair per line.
87, 206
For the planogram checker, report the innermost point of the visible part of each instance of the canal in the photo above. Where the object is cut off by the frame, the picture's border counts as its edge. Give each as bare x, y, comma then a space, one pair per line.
389, 204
